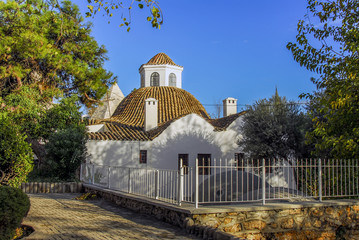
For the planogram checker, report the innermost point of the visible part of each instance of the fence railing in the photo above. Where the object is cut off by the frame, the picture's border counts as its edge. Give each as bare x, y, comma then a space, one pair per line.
228, 181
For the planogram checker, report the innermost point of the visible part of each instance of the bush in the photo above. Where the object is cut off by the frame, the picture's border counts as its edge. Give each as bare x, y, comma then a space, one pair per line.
65, 152
15, 153
14, 205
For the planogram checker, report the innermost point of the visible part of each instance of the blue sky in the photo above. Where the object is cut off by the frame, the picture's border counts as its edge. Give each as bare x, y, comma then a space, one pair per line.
232, 48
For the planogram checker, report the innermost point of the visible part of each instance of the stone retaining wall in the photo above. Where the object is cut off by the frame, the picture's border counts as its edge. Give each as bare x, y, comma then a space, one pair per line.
325, 222
311, 220
47, 187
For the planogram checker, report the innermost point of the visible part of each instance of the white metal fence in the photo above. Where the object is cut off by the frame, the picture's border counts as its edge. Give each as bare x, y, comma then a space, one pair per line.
233, 182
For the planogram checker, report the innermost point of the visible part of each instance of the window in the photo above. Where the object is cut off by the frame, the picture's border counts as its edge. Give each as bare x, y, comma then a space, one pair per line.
143, 156
204, 164
239, 158
172, 80
155, 79
184, 157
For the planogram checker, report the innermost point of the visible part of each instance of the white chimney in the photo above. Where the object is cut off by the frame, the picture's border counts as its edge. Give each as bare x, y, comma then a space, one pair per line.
151, 112
229, 106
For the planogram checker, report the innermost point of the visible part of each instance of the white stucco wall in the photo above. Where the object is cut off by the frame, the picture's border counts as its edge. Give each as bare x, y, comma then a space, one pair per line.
189, 135
164, 71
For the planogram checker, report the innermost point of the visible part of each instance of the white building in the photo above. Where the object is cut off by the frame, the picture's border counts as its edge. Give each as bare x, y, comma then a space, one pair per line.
160, 122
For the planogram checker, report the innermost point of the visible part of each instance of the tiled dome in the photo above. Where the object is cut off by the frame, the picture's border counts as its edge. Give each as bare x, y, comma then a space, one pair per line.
172, 103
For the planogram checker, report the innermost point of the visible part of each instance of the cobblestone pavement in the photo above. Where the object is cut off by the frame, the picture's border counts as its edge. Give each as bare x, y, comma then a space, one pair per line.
60, 216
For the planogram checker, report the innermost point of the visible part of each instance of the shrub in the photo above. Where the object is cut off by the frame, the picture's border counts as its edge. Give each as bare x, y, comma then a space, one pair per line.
15, 153
14, 205
65, 151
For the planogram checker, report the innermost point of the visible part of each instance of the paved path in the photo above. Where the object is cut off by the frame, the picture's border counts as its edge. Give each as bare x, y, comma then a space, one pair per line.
59, 216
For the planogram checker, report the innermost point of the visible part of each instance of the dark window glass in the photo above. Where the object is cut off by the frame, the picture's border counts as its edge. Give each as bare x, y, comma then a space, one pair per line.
143, 156
155, 79
204, 164
184, 157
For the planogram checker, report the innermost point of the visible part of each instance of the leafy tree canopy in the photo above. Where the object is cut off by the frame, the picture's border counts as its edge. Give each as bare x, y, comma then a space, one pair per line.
274, 128
328, 43
36, 118
49, 47
155, 16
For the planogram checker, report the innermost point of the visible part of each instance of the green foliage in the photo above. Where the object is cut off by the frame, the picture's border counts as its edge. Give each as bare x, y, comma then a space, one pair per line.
334, 106
66, 150
274, 128
61, 116
50, 47
27, 109
14, 205
155, 16
15, 153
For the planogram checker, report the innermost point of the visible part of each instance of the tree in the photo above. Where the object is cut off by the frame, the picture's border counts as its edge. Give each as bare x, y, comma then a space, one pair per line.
36, 118
47, 52
65, 151
49, 47
328, 43
155, 16
15, 153
274, 128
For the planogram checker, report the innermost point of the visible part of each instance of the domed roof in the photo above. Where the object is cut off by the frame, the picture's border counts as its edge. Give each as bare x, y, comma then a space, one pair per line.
161, 59
173, 102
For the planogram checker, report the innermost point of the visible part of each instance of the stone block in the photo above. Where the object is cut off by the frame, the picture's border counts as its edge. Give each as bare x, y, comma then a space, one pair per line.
329, 210
295, 211
355, 208
232, 214
282, 213
273, 225
307, 224
317, 212
317, 224
258, 215
233, 229
227, 221
254, 224
288, 223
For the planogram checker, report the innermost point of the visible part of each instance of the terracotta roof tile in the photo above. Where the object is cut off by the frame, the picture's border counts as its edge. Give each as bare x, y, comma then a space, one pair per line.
221, 124
116, 131
161, 59
127, 122
172, 103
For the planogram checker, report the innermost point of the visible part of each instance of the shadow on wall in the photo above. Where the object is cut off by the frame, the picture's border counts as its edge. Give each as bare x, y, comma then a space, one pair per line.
113, 153
165, 153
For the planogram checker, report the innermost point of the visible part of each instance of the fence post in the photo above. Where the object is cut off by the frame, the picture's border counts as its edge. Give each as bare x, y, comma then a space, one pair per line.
81, 166
263, 182
196, 185
157, 182
93, 173
108, 177
320, 180
180, 183
129, 180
